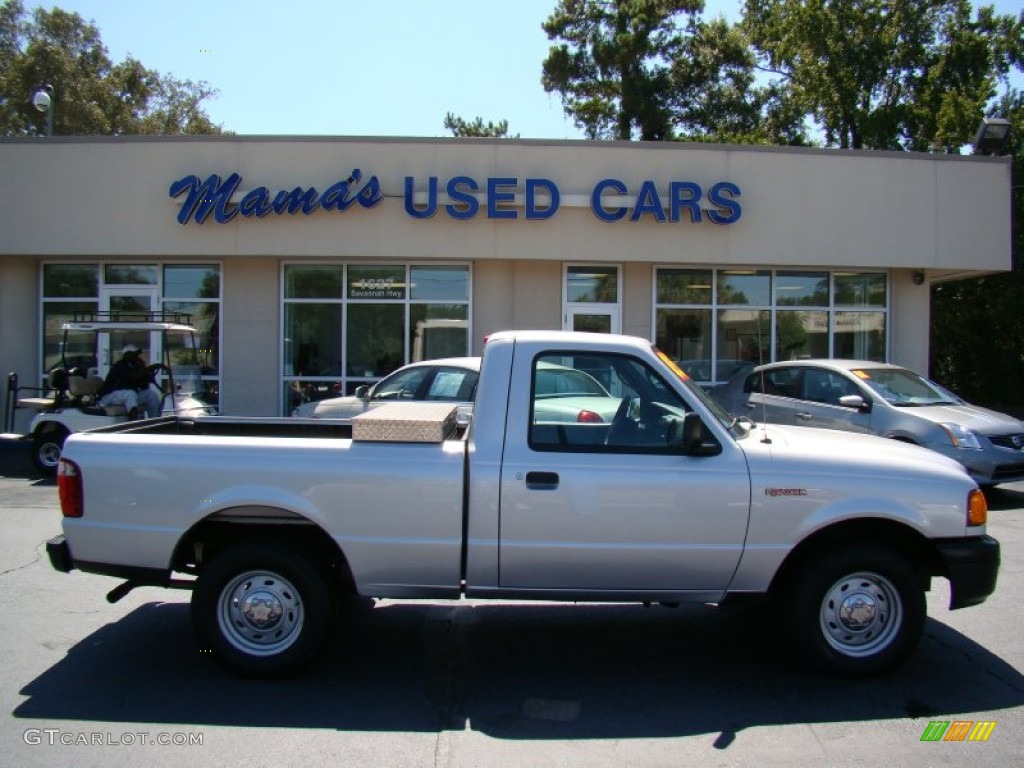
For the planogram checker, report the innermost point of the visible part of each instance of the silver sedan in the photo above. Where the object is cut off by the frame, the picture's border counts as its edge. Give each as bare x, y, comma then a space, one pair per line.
886, 400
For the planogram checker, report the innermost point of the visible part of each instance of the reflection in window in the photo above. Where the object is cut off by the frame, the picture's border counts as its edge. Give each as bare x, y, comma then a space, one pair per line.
130, 274
685, 336
801, 334
374, 339
744, 335
312, 282
801, 289
312, 339
744, 287
70, 281
592, 284
764, 315
860, 289
860, 336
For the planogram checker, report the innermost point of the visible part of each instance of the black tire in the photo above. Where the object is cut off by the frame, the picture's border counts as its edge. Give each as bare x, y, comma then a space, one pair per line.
262, 609
854, 612
46, 450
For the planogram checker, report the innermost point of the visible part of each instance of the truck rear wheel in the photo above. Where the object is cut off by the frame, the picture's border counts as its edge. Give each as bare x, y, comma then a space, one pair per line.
855, 612
262, 610
46, 449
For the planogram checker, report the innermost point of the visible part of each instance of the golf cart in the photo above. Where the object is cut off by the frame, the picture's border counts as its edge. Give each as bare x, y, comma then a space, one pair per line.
71, 401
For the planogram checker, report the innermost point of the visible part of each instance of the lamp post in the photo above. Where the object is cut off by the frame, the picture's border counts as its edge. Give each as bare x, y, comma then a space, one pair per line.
993, 133
43, 101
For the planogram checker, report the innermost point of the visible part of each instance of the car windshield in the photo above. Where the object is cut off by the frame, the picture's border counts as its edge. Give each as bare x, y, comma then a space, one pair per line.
905, 389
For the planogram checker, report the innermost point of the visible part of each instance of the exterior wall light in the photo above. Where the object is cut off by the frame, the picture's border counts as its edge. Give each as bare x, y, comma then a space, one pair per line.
993, 133
42, 100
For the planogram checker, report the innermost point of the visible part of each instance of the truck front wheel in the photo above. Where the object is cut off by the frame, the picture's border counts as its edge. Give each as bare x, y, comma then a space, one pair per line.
262, 610
856, 612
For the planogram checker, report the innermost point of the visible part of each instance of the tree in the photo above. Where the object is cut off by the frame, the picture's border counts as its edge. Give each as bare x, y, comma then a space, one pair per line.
715, 95
476, 129
977, 332
613, 67
887, 74
655, 70
92, 94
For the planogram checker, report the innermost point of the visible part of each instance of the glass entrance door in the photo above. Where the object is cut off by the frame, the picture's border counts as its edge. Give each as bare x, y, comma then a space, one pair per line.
133, 303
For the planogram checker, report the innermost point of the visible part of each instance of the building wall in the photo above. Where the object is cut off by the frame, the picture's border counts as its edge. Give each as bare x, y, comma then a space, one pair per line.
103, 199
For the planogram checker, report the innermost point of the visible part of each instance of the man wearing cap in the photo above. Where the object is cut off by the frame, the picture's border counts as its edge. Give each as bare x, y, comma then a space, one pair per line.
128, 384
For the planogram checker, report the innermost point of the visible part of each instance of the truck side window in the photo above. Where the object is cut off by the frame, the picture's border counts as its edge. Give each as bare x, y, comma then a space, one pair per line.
601, 403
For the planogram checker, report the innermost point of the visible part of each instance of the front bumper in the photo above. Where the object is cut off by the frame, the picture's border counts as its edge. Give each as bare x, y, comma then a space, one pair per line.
971, 565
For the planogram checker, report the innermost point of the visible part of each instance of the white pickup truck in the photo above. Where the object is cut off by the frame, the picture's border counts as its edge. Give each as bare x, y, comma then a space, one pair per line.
646, 492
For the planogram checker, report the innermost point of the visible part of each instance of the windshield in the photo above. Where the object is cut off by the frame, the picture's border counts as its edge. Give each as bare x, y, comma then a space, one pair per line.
738, 427
905, 389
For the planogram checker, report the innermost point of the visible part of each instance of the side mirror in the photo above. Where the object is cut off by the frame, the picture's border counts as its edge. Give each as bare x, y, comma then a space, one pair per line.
692, 438
362, 391
855, 401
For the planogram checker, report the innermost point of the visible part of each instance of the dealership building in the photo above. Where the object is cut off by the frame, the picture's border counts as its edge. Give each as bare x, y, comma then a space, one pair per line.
312, 265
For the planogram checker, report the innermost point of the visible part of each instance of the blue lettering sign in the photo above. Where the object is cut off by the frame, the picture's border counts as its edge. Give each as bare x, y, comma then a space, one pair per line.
606, 214
684, 194
495, 196
542, 185
466, 205
214, 196
648, 201
728, 210
410, 191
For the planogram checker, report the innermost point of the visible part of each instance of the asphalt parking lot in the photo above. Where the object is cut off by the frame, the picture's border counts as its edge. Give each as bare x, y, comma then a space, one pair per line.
469, 683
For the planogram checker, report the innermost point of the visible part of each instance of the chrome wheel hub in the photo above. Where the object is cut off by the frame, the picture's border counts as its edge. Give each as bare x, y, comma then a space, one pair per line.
260, 613
861, 614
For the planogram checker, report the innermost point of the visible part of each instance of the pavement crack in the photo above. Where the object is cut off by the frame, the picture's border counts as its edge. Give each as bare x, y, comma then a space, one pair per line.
36, 559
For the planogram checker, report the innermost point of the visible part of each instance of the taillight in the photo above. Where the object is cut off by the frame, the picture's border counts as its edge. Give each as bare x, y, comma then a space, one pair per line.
69, 488
588, 417
977, 508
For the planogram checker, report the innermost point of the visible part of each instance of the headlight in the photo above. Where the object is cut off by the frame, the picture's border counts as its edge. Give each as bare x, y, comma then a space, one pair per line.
961, 436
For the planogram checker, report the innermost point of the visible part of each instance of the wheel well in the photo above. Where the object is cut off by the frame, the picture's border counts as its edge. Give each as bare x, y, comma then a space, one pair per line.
215, 534
916, 548
50, 426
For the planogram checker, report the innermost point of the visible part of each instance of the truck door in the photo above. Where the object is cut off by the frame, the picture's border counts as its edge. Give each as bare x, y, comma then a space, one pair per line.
594, 497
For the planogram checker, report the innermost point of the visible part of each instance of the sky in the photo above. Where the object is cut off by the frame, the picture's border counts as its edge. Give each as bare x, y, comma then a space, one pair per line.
353, 67
349, 67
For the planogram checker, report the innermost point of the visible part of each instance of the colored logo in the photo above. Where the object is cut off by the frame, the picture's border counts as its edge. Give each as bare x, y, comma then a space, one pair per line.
958, 730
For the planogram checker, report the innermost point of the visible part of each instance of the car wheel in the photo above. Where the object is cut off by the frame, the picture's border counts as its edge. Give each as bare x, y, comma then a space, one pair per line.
856, 612
262, 610
46, 449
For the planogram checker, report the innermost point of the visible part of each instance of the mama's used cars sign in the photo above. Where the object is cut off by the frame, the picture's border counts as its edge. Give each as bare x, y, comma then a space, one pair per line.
462, 197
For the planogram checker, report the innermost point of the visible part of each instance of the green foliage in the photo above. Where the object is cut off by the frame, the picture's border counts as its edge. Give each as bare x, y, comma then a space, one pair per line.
977, 331
613, 66
92, 95
887, 74
476, 129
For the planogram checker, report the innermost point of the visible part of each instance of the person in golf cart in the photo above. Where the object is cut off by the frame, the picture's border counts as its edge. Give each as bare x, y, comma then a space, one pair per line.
130, 384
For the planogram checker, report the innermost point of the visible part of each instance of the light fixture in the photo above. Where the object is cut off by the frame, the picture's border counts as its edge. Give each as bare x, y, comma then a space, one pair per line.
993, 133
42, 100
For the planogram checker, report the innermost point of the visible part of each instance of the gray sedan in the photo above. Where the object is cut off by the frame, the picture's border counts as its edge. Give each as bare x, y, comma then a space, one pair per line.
887, 400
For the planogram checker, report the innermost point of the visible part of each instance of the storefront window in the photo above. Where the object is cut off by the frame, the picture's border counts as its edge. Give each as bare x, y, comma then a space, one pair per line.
192, 289
385, 316
757, 316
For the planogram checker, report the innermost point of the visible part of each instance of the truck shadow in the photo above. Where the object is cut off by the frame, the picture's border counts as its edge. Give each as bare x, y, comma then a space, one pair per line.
512, 671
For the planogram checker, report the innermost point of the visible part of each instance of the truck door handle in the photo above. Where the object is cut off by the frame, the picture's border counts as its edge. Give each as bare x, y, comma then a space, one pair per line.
803, 416
542, 481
